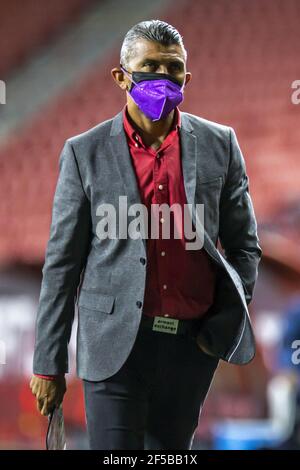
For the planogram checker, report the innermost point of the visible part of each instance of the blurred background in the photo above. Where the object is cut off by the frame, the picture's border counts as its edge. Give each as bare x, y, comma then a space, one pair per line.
55, 61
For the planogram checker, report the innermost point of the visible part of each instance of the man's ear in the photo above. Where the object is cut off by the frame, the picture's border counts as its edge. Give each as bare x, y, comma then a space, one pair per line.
188, 77
120, 78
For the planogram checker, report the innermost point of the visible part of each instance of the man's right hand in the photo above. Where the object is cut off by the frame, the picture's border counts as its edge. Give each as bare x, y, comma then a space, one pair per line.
49, 393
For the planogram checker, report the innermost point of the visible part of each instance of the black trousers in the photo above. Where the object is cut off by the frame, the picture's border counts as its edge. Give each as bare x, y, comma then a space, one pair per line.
155, 399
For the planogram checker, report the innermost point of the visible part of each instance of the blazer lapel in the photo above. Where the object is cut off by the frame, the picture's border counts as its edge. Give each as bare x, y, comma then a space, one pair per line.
190, 147
120, 153
188, 144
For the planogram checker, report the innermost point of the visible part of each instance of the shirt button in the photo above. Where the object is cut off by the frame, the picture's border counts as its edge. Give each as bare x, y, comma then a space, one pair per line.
166, 315
138, 303
160, 186
163, 253
162, 220
142, 260
165, 286
136, 145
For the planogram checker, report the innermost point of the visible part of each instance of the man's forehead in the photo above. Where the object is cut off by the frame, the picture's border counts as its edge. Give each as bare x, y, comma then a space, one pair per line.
151, 49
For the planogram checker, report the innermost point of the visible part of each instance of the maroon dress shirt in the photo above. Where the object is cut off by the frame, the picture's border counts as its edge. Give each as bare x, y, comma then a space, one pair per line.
180, 283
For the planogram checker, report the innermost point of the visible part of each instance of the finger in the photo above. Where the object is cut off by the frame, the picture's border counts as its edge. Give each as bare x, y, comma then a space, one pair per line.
36, 386
37, 392
32, 380
44, 410
48, 408
39, 404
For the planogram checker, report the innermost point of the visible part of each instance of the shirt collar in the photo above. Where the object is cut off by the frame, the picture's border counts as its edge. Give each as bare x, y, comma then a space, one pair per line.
131, 130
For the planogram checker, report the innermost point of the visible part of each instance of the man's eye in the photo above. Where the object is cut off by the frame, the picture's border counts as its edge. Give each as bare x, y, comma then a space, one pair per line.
176, 66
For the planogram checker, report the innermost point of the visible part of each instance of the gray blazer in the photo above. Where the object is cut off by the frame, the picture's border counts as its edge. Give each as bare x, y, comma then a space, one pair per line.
106, 277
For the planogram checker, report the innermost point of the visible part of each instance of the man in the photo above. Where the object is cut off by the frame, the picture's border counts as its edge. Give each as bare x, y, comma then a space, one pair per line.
154, 318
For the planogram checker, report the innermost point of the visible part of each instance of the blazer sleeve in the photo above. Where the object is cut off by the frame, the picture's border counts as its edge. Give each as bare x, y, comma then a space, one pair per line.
66, 255
237, 225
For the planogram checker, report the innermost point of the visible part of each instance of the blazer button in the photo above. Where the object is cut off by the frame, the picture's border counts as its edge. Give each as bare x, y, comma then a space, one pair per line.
139, 303
142, 260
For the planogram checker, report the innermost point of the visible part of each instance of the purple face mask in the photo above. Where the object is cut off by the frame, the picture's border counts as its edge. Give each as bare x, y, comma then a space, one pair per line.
156, 94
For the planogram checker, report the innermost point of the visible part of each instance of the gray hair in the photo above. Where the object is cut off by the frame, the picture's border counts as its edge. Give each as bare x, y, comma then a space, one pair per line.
151, 30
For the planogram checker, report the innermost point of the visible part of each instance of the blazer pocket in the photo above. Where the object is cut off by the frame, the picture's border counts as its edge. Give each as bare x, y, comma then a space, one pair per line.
94, 300
216, 180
